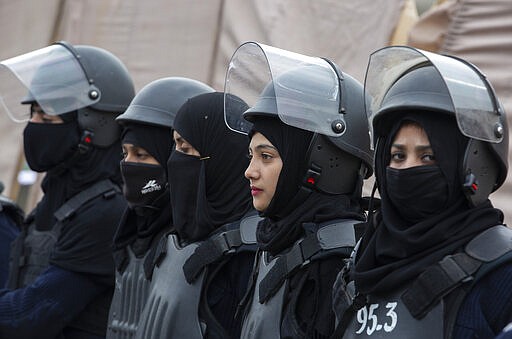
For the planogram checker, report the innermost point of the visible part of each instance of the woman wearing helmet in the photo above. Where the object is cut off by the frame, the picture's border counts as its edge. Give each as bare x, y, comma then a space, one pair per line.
62, 272
147, 143
202, 268
310, 151
435, 260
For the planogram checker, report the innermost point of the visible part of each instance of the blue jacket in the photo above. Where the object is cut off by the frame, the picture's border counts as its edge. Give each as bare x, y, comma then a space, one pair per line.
8, 232
487, 309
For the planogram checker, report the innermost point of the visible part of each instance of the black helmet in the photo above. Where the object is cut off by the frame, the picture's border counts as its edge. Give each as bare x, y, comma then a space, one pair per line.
63, 78
311, 94
158, 102
403, 79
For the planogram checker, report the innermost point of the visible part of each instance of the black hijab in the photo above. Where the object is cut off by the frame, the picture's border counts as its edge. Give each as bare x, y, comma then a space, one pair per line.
291, 206
395, 250
209, 192
74, 175
139, 227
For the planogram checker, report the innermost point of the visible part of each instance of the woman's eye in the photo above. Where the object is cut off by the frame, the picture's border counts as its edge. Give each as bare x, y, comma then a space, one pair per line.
428, 157
266, 156
397, 156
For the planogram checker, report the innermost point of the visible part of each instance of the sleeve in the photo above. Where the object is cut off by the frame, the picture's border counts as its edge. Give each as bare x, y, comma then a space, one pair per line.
43, 309
8, 232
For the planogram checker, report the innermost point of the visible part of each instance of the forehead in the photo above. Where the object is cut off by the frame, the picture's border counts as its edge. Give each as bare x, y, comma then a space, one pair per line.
259, 139
411, 132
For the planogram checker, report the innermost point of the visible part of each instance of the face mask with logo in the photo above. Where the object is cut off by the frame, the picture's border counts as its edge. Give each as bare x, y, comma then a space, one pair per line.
142, 183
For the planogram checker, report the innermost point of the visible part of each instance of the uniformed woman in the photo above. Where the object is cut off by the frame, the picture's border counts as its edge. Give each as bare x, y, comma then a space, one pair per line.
310, 151
202, 268
435, 260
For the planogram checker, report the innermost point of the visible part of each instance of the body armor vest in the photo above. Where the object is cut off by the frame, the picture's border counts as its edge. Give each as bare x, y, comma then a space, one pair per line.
172, 309
428, 306
30, 252
264, 315
130, 295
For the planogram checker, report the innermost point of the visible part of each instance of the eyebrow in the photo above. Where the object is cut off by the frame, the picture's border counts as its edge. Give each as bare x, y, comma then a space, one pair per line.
264, 146
418, 148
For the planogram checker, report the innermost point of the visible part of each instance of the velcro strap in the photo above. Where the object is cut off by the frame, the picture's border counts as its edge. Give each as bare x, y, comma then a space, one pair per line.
210, 251
104, 187
437, 281
299, 255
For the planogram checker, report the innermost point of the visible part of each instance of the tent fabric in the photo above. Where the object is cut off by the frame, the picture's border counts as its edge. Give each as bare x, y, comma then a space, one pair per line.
191, 38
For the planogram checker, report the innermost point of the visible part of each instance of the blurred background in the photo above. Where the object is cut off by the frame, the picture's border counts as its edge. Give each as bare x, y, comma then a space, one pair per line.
196, 38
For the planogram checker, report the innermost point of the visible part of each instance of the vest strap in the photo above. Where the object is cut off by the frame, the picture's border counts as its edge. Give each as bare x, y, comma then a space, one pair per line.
327, 238
211, 250
454, 270
103, 187
218, 245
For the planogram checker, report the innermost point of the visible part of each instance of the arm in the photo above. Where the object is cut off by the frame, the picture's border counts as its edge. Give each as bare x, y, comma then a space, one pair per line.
46, 306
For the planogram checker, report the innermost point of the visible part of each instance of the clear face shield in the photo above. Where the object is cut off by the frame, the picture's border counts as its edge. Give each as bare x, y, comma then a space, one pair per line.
474, 102
51, 76
302, 91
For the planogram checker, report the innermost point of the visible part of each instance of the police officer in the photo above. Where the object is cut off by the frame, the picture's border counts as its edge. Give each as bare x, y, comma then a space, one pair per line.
147, 143
202, 269
310, 152
436, 259
62, 272
11, 218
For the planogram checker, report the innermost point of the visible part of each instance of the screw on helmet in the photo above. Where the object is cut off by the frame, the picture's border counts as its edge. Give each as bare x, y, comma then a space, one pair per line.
335, 164
158, 102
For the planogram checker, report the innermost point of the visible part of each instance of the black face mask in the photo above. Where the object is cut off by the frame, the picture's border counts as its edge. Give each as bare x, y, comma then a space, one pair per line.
48, 145
417, 192
183, 173
143, 183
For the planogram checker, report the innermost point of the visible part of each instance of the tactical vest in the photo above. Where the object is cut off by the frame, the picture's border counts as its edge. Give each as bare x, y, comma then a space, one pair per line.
130, 295
30, 252
263, 317
428, 306
172, 309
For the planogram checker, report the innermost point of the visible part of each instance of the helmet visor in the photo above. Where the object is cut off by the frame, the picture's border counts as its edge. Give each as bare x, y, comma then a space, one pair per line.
302, 91
50, 76
471, 96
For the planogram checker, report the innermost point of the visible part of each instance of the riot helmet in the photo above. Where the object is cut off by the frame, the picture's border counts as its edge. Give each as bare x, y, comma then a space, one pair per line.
308, 93
159, 101
63, 78
401, 79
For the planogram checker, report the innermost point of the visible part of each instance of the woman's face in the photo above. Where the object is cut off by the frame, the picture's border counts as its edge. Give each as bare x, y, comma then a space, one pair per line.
184, 146
411, 147
132, 153
263, 171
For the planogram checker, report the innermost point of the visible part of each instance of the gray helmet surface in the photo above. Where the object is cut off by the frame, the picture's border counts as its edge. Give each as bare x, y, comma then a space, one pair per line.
115, 90
334, 163
485, 164
158, 102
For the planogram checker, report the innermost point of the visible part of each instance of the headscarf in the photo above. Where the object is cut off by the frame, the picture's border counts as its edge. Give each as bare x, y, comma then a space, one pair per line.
396, 250
208, 193
139, 226
291, 206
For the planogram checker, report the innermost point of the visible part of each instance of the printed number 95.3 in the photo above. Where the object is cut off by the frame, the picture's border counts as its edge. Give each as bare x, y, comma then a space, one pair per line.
368, 319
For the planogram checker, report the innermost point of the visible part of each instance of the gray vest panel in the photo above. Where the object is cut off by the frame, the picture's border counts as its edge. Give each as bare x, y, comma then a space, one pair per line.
264, 320
389, 318
30, 258
130, 295
172, 307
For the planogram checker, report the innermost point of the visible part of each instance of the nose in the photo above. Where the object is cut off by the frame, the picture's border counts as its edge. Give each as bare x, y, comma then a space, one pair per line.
411, 162
251, 172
